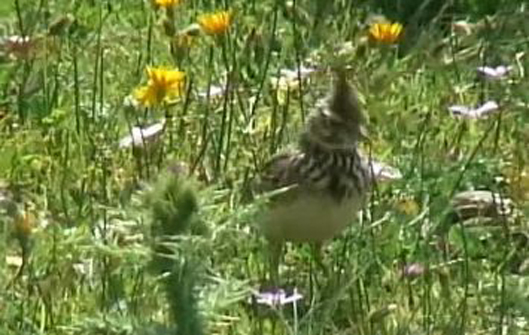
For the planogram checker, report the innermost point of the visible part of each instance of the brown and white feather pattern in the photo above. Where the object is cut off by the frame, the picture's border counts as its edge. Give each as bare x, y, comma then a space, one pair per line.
325, 178
342, 174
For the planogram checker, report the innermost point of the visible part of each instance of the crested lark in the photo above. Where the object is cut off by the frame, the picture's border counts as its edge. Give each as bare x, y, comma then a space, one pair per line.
324, 182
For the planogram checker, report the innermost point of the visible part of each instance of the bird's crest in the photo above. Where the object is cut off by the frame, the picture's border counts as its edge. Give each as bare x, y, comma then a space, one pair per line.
343, 101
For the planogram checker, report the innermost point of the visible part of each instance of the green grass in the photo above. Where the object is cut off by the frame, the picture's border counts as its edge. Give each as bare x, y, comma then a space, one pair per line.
97, 210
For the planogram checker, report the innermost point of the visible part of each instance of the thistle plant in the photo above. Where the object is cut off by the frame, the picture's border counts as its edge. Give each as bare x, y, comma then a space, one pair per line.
173, 206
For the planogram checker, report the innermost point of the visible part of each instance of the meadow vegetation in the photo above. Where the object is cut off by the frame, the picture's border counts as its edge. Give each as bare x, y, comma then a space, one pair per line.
131, 132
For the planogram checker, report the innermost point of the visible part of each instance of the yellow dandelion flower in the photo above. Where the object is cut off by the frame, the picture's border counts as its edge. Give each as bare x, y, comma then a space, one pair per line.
163, 85
408, 206
167, 3
386, 32
215, 23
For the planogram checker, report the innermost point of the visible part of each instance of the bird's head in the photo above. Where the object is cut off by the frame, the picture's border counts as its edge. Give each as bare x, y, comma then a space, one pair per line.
339, 123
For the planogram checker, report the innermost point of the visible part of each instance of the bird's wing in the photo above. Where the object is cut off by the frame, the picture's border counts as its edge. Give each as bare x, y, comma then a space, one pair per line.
281, 171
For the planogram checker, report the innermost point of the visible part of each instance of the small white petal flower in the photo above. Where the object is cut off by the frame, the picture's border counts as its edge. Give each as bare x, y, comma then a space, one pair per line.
14, 261
494, 73
17, 39
294, 74
277, 298
345, 48
139, 135
214, 91
474, 113
84, 267
463, 27
384, 172
17, 46
413, 270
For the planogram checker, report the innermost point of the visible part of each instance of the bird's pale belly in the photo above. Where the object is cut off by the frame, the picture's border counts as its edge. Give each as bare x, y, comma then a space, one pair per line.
311, 218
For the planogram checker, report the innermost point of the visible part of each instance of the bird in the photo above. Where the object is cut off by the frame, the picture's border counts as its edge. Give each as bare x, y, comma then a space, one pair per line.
317, 188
